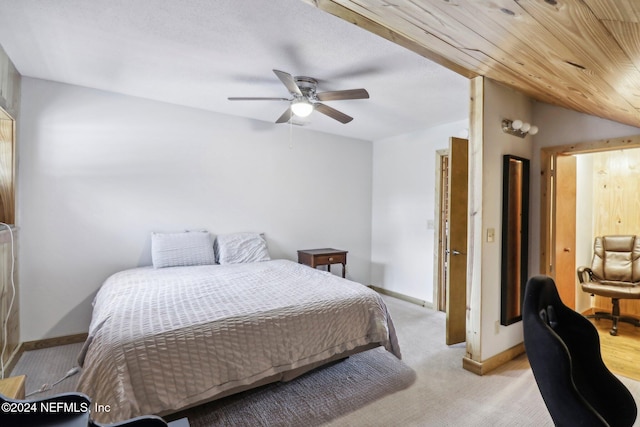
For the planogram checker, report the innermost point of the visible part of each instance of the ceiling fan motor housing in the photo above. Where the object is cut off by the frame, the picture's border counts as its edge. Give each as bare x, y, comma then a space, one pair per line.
307, 85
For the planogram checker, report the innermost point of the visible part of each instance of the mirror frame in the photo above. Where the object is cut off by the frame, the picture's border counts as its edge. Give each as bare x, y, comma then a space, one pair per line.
515, 237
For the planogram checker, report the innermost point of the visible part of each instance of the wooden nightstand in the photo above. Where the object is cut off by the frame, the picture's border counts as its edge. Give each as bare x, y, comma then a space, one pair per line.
13, 387
324, 256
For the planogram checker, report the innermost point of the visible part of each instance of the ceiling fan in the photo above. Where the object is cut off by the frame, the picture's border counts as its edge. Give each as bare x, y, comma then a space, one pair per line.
305, 98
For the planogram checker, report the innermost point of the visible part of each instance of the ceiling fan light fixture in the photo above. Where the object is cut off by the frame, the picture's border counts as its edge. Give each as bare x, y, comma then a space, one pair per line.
302, 107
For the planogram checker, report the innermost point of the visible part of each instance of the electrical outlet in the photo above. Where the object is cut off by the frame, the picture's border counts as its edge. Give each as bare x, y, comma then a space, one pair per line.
491, 234
497, 326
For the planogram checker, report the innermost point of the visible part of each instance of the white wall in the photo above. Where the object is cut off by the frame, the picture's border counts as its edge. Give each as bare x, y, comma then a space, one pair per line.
404, 198
488, 337
99, 171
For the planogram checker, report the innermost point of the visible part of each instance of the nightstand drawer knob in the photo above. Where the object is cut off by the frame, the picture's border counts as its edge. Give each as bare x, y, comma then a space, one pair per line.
330, 258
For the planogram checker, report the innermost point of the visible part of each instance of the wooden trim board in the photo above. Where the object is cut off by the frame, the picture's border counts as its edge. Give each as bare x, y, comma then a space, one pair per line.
481, 368
53, 342
12, 360
13, 387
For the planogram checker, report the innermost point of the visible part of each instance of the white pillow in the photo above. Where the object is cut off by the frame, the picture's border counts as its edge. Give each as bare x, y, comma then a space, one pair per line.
239, 248
182, 249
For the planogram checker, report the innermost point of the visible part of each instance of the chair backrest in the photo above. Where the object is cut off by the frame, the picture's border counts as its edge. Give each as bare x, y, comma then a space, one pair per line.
563, 348
616, 259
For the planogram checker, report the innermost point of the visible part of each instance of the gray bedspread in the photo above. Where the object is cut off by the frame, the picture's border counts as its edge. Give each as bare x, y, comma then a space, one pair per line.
165, 339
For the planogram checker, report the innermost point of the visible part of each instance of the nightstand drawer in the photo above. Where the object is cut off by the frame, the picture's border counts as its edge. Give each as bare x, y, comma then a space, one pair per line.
330, 259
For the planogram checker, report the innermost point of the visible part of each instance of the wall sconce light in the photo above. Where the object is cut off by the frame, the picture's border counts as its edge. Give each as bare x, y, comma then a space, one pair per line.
518, 128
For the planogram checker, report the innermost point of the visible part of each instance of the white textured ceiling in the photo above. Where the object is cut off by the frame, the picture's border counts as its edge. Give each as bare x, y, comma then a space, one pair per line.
199, 52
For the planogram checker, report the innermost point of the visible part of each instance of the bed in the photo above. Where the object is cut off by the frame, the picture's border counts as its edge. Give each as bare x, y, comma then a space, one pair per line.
165, 339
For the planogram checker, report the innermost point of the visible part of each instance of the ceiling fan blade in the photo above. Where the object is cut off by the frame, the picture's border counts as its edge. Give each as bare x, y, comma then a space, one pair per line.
286, 116
288, 81
332, 112
252, 98
343, 94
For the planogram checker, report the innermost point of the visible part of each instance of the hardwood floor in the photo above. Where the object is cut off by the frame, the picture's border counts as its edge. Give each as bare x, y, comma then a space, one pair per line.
621, 353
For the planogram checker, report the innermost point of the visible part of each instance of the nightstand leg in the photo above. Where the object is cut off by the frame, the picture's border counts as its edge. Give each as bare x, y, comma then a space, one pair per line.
344, 270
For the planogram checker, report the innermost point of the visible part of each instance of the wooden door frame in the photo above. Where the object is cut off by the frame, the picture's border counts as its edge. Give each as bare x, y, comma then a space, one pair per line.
547, 165
8, 161
438, 252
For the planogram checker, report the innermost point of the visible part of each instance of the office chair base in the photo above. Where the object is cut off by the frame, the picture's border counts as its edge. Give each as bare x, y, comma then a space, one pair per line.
614, 328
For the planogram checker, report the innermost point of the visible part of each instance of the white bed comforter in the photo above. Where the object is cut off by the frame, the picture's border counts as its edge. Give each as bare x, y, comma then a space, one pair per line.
165, 339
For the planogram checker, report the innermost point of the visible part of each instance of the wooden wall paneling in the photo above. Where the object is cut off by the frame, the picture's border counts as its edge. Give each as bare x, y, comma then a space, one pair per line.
488, 59
580, 30
473, 357
627, 35
622, 20
616, 178
548, 64
469, 60
579, 54
607, 10
462, 64
7, 204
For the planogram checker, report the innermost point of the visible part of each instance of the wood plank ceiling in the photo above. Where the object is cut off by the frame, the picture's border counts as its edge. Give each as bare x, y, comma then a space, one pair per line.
579, 54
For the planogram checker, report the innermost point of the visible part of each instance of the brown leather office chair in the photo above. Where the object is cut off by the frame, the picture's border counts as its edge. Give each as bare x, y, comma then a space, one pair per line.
614, 273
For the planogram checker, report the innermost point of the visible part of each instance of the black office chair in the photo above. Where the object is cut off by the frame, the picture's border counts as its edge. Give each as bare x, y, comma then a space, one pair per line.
563, 348
62, 410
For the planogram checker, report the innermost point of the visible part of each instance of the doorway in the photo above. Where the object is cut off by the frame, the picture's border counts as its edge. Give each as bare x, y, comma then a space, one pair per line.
589, 179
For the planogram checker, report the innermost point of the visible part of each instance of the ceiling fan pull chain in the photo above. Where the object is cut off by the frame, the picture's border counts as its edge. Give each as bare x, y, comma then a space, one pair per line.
291, 133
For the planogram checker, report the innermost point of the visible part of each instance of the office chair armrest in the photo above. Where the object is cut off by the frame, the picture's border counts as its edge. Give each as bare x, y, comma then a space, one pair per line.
585, 274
